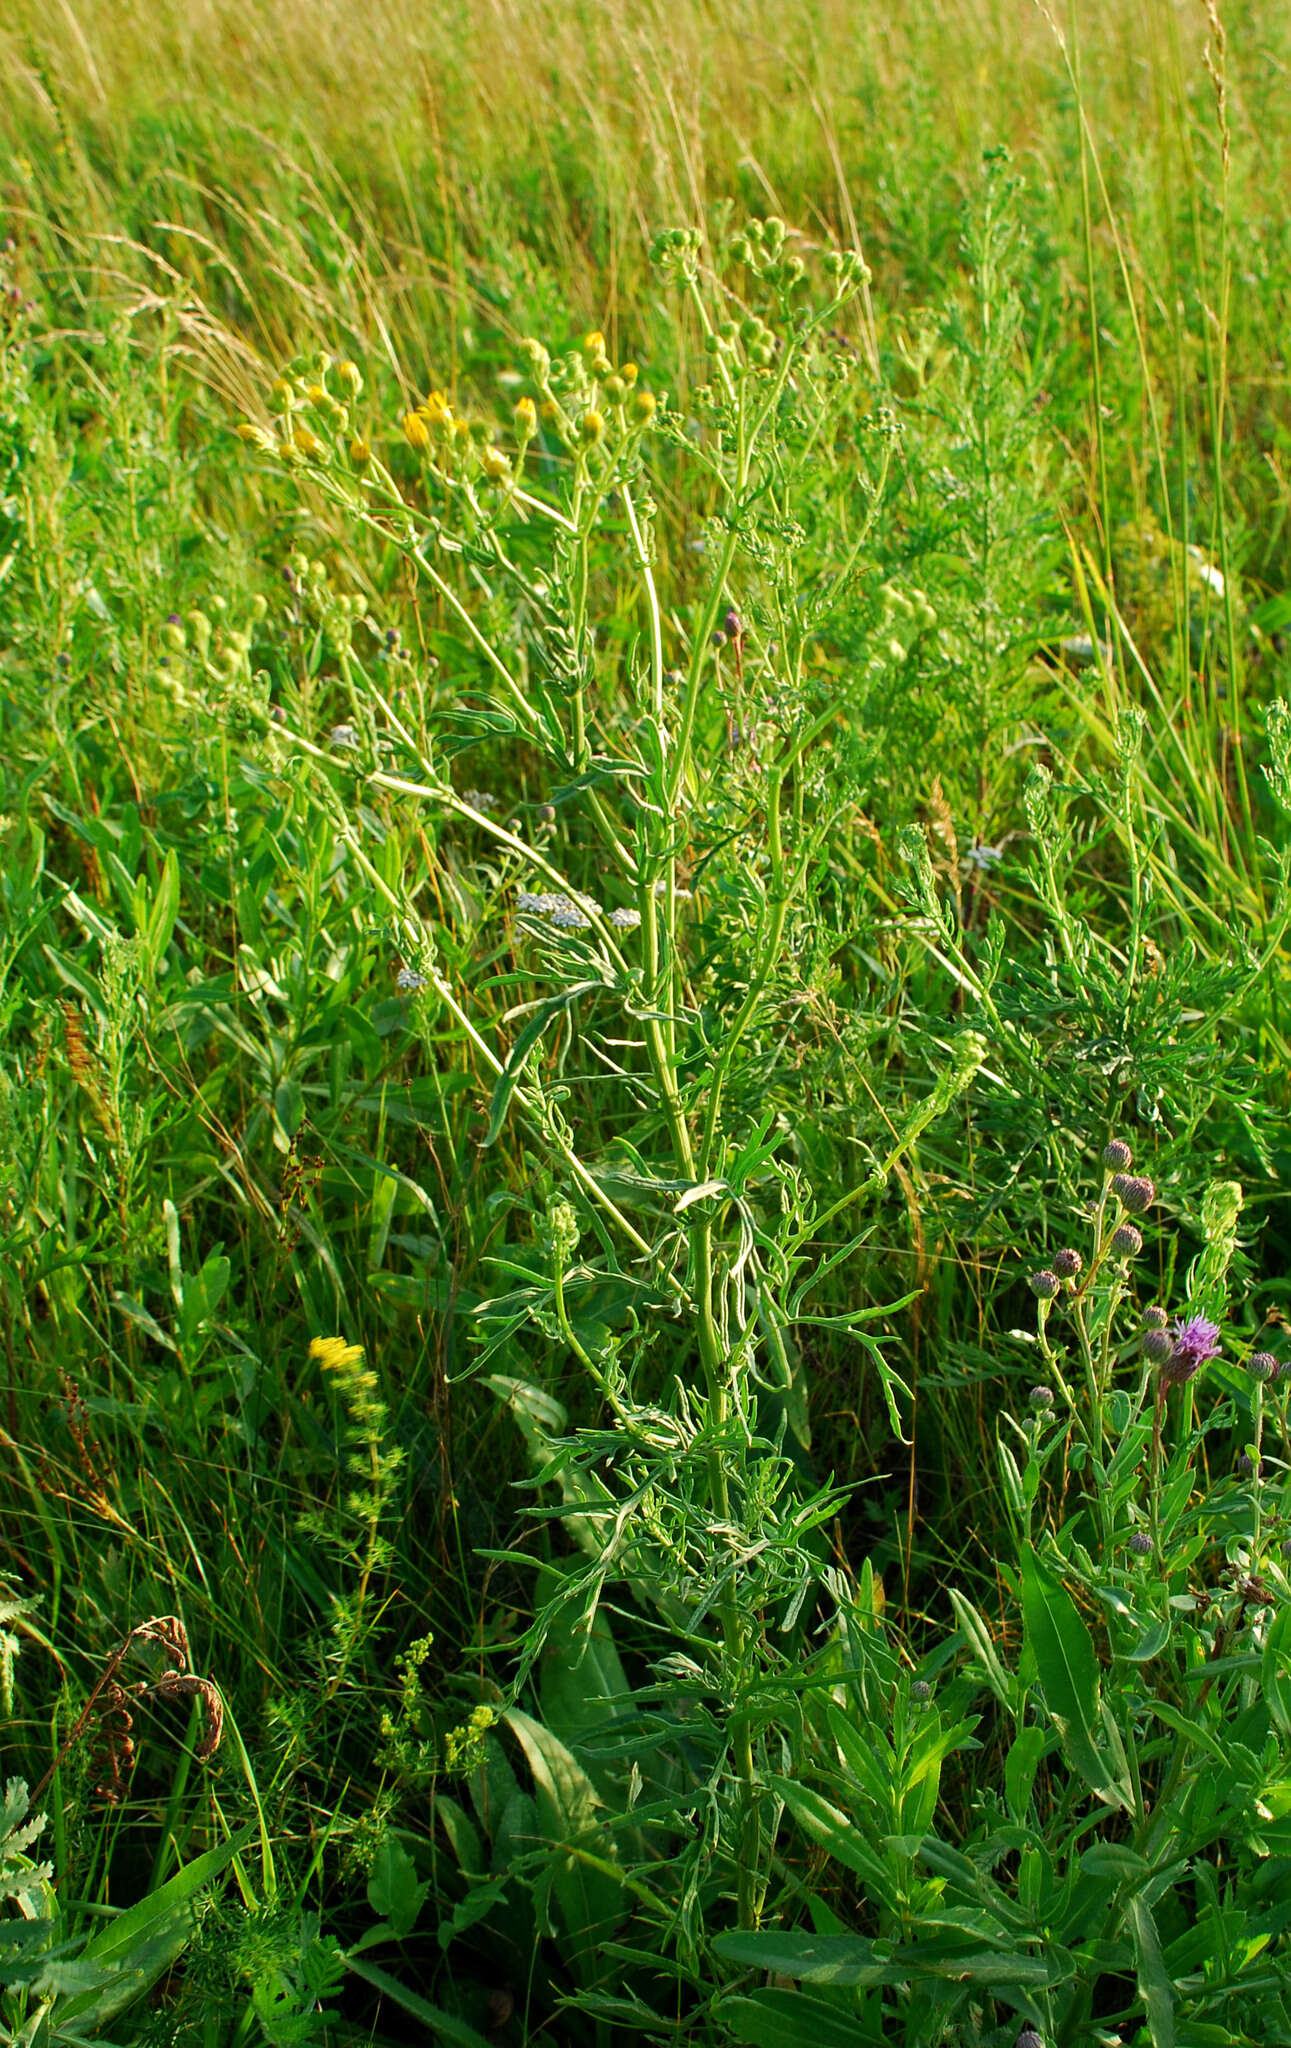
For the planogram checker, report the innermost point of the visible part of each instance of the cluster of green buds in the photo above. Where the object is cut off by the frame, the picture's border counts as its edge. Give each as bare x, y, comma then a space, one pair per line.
207, 660
336, 611
675, 252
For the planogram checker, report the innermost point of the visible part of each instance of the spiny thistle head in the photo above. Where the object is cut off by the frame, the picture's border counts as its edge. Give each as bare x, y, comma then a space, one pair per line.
1044, 1284
1157, 1346
1041, 1397
1262, 1365
1135, 1192
1067, 1263
1155, 1318
1141, 1543
1117, 1156
1127, 1242
1196, 1340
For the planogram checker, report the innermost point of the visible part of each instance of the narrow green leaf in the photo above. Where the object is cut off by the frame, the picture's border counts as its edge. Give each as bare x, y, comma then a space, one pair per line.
1068, 1669
442, 2025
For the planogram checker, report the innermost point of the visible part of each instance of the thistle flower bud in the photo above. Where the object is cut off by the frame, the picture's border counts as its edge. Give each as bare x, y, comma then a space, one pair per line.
415, 431
1127, 1242
1134, 1192
1262, 1365
1028, 2038
1041, 1397
1044, 1284
1157, 1346
1067, 1263
1141, 1543
1155, 1318
920, 1690
1250, 1467
1117, 1156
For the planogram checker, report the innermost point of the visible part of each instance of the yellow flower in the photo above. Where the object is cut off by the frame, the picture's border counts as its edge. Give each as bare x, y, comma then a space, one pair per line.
308, 444
495, 465
415, 431
643, 405
348, 375
360, 453
592, 425
629, 373
334, 1354
594, 343
436, 408
525, 417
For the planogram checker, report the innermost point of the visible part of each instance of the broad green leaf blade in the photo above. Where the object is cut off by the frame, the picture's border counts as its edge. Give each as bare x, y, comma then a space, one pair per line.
833, 1831
1068, 1669
1275, 1671
1154, 1982
587, 1890
793, 2019
145, 1940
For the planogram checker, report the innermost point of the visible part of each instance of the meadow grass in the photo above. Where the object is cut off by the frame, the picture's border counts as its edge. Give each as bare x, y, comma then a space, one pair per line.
642, 700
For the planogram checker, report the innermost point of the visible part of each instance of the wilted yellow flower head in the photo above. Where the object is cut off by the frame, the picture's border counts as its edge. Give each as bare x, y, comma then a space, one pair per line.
415, 431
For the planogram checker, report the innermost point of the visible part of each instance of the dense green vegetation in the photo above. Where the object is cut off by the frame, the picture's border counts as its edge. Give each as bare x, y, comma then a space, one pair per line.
646, 821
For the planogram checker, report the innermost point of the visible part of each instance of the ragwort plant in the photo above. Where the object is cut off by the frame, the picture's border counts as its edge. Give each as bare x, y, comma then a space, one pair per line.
675, 760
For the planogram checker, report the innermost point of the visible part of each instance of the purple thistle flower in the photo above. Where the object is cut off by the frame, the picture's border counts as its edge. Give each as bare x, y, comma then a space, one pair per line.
1195, 1340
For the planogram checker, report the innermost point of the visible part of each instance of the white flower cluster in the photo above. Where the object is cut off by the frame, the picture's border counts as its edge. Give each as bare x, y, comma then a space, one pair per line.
573, 913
